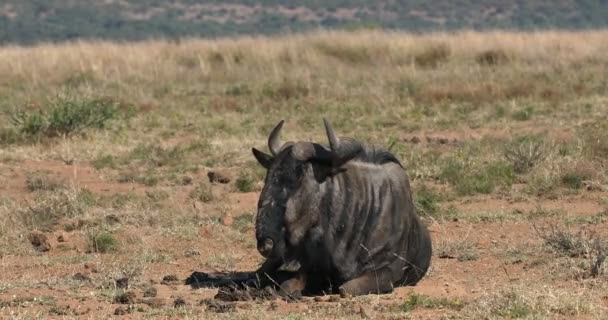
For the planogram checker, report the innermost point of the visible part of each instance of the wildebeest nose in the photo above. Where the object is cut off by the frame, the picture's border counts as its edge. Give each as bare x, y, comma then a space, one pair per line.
265, 247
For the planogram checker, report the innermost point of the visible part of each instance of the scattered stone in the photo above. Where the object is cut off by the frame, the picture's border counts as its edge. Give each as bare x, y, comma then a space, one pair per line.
120, 311
91, 266
125, 298
443, 140
122, 283
318, 299
415, 140
39, 241
218, 177
150, 292
191, 252
335, 298
170, 279
179, 302
61, 238
81, 277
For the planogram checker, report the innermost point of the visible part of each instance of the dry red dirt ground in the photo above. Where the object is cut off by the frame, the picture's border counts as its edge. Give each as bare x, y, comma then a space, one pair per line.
505, 254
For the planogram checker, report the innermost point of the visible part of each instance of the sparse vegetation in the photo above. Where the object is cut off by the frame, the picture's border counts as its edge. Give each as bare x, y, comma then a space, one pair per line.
492, 134
245, 182
525, 152
101, 241
65, 115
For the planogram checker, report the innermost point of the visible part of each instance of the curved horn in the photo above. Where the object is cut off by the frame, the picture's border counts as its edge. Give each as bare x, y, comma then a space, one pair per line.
274, 144
334, 142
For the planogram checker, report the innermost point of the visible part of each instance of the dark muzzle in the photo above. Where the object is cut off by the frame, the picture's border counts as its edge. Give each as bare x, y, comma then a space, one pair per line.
265, 247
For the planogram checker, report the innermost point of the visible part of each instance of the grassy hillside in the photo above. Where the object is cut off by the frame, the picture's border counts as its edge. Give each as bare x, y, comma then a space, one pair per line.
30, 20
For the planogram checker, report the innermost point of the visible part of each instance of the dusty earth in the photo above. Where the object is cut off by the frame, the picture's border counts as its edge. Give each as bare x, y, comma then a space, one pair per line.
62, 281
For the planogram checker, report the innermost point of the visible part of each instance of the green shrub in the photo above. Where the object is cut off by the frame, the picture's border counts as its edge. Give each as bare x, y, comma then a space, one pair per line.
467, 179
202, 193
245, 182
426, 200
102, 242
66, 115
525, 152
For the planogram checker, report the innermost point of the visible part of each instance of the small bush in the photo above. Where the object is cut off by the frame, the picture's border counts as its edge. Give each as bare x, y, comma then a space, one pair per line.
245, 182
524, 114
104, 161
50, 208
66, 115
426, 200
101, 242
461, 250
42, 182
525, 152
421, 301
574, 176
571, 244
202, 193
468, 180
595, 139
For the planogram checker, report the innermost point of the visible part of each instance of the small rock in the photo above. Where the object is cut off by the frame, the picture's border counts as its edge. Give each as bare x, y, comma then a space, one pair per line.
415, 140
179, 302
122, 283
191, 252
318, 299
39, 241
125, 298
120, 311
218, 177
92, 267
150, 292
336, 298
61, 238
443, 140
81, 277
170, 279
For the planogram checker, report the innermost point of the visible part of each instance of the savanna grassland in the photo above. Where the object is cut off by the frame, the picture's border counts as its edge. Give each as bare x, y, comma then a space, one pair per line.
106, 149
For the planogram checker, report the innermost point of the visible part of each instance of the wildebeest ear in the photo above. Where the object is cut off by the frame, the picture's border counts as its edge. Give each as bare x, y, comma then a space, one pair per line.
264, 159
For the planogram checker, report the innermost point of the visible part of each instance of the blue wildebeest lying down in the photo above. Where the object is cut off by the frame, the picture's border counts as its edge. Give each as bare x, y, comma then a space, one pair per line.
343, 216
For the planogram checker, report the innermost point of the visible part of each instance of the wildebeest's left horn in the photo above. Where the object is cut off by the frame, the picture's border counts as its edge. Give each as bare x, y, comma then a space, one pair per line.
334, 142
274, 143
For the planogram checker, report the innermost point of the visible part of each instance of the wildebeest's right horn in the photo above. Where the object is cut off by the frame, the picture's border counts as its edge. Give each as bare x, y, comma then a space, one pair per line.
274, 143
334, 142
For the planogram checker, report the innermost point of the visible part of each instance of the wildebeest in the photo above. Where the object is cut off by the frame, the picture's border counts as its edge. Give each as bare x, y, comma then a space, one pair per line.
342, 214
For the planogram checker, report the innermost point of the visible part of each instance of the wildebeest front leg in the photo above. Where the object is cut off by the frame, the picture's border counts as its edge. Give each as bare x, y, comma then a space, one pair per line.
374, 282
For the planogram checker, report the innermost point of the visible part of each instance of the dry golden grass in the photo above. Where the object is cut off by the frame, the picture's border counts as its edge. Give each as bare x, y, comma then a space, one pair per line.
448, 104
